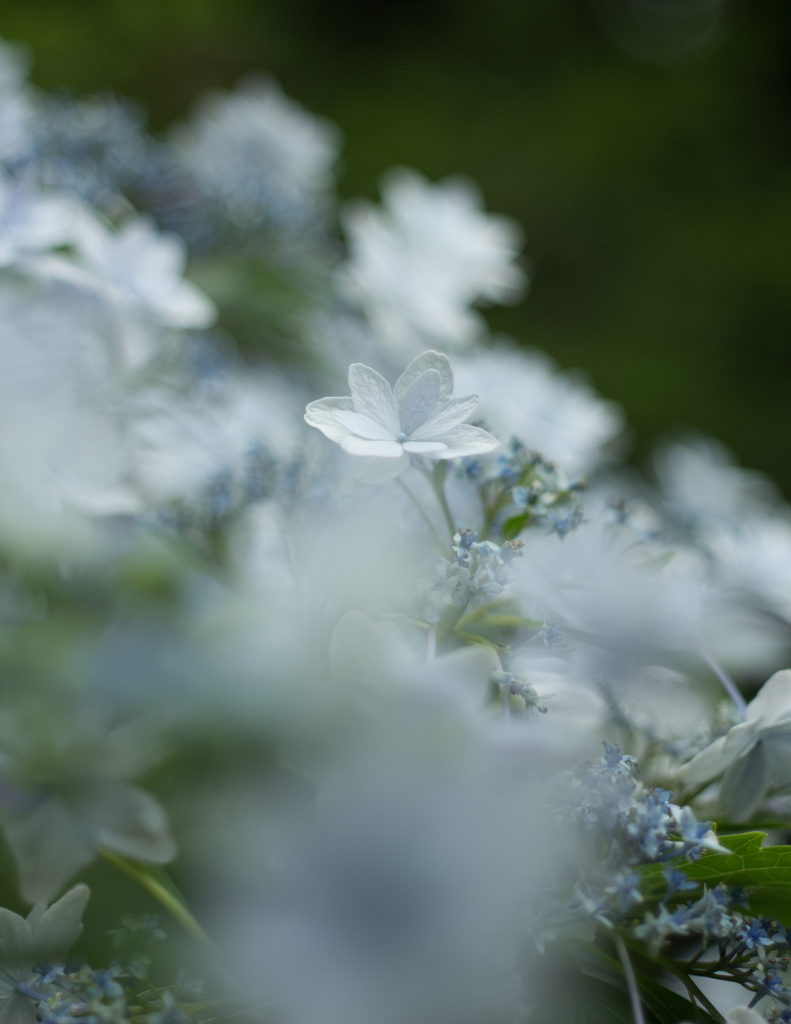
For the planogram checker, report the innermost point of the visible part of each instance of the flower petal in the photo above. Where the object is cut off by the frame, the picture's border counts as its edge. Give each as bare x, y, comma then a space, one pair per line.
377, 471
773, 698
745, 784
428, 361
373, 396
319, 414
467, 440
425, 447
374, 449
420, 401
445, 418
363, 426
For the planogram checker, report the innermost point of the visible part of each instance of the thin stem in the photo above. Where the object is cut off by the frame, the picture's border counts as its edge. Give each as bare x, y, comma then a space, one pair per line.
431, 645
730, 687
631, 980
439, 490
144, 878
423, 515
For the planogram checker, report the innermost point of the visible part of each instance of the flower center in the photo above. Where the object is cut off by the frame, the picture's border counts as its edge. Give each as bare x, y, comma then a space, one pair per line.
402, 437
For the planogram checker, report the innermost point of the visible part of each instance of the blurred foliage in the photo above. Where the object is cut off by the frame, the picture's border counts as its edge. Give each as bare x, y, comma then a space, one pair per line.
655, 184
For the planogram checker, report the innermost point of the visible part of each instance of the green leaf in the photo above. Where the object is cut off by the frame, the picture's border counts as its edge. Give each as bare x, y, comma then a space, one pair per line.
767, 870
669, 1007
513, 527
607, 1004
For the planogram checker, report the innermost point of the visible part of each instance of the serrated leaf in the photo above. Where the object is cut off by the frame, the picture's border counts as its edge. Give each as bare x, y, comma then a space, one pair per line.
767, 870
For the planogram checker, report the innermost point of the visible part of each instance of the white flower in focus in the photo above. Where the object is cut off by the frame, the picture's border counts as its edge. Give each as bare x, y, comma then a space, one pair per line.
44, 935
259, 153
32, 222
524, 395
140, 269
416, 267
754, 756
417, 417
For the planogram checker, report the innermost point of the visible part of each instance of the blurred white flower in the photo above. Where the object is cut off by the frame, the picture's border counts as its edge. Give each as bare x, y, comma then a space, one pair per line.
32, 222
141, 269
702, 487
184, 443
259, 153
46, 934
62, 447
524, 395
69, 796
404, 898
417, 266
756, 557
417, 417
754, 756
16, 106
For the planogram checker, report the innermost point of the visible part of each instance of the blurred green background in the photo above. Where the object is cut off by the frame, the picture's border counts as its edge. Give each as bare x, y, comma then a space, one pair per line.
644, 144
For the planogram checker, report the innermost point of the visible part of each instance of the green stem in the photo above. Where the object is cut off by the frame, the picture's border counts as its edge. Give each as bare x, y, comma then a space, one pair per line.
161, 892
438, 483
423, 516
675, 968
631, 980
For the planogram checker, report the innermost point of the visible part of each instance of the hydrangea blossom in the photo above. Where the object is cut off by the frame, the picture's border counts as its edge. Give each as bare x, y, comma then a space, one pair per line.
32, 222
142, 270
259, 154
418, 417
417, 266
524, 395
26, 942
754, 756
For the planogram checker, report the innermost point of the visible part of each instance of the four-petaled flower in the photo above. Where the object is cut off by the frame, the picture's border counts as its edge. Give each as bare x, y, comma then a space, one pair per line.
416, 417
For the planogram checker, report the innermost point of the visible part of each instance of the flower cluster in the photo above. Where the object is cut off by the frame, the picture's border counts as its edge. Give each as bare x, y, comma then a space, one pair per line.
217, 649
477, 572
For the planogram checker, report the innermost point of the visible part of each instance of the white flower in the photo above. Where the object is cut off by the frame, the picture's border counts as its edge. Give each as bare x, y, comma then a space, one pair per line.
417, 417
25, 942
259, 153
754, 756
31, 222
702, 486
416, 267
71, 797
524, 395
140, 269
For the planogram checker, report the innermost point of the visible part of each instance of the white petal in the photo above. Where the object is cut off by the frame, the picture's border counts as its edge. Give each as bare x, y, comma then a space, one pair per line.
363, 426
745, 784
420, 401
428, 361
319, 414
446, 417
467, 440
425, 447
773, 698
377, 471
713, 761
373, 396
374, 449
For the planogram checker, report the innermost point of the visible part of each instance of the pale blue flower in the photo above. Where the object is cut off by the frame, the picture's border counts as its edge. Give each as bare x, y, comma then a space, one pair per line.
417, 417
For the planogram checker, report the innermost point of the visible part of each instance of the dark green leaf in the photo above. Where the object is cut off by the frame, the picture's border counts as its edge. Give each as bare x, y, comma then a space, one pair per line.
669, 1007
766, 870
513, 527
